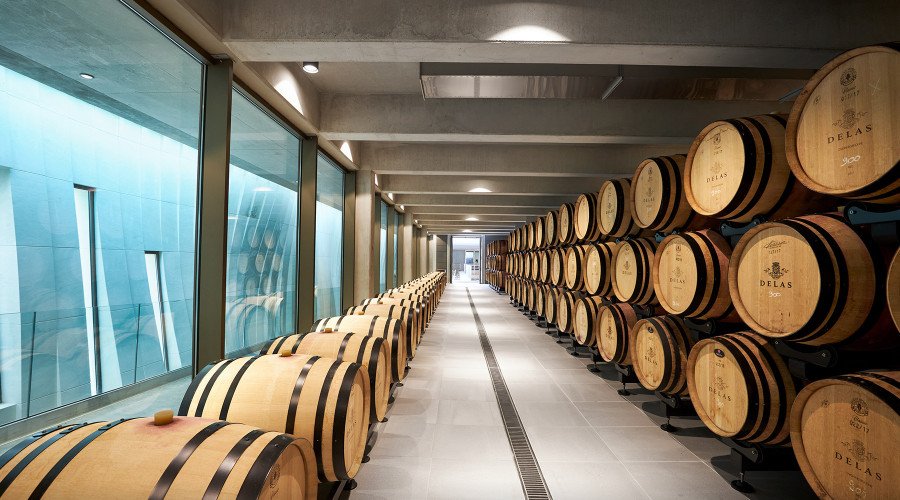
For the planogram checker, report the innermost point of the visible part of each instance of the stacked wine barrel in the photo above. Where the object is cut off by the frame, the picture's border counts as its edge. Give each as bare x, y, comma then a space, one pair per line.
293, 416
496, 267
741, 235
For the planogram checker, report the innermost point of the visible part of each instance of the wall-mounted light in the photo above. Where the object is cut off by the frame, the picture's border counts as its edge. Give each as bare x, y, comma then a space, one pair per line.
376, 180
86, 76
391, 196
402, 207
480, 190
311, 67
345, 148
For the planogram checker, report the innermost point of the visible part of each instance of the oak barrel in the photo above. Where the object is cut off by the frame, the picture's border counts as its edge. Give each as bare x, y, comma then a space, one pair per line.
843, 128
741, 388
557, 273
550, 234
598, 268
809, 279
892, 285
539, 233
614, 210
565, 311
633, 271
845, 432
294, 394
391, 330
416, 306
575, 267
587, 313
736, 169
565, 229
585, 221
613, 334
659, 353
406, 314
690, 274
156, 458
657, 195
373, 353
551, 303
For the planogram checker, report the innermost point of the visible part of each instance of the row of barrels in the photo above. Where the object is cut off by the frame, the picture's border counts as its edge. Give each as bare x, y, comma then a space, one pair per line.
811, 279
496, 264
842, 429
838, 141
276, 424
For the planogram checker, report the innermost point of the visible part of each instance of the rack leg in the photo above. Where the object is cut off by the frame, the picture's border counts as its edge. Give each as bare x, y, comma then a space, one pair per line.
351, 485
624, 390
743, 486
668, 427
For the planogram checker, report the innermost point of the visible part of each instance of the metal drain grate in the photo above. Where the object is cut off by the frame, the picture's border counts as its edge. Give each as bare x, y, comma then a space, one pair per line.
527, 465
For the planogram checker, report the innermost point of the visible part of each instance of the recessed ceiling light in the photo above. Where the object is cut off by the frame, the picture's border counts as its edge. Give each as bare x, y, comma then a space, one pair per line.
311, 67
86, 76
472, 219
262, 189
467, 230
480, 190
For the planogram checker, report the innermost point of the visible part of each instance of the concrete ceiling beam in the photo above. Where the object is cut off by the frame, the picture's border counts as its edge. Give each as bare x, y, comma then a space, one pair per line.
505, 186
412, 202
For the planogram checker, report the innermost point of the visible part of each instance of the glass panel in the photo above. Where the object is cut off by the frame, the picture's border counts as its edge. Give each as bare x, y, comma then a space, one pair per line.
382, 278
396, 248
99, 127
329, 237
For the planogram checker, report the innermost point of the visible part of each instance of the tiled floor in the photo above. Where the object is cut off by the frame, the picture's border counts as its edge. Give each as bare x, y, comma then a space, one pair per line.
444, 437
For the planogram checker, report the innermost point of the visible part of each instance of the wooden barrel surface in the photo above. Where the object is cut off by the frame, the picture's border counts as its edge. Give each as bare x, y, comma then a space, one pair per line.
406, 314
657, 195
614, 210
690, 274
809, 279
427, 305
138, 458
575, 267
845, 432
373, 353
892, 286
598, 269
294, 394
540, 299
741, 388
551, 303
586, 228
843, 128
660, 347
633, 271
587, 314
736, 169
543, 274
416, 306
613, 334
557, 273
565, 311
391, 330
566, 224
550, 230
539, 233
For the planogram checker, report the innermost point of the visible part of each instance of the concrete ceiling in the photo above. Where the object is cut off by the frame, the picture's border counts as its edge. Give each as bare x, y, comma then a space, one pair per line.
533, 154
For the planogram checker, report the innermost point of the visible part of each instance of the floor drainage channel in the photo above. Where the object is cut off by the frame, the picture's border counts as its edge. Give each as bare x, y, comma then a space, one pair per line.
526, 464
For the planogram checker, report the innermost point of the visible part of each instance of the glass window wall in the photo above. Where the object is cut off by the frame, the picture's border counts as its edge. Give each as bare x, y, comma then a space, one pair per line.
99, 127
383, 268
329, 237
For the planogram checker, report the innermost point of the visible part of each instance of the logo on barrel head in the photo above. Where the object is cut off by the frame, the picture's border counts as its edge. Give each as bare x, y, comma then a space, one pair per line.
677, 272
720, 384
275, 476
717, 138
775, 271
858, 451
849, 119
859, 406
848, 76
719, 352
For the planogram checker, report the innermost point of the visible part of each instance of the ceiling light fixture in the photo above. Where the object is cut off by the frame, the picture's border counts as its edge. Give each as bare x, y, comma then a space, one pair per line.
472, 218
480, 190
86, 76
402, 207
345, 148
467, 230
311, 67
376, 179
391, 196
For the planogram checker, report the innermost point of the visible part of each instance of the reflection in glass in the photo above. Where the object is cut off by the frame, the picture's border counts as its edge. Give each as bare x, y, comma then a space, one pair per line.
261, 279
329, 237
382, 278
94, 174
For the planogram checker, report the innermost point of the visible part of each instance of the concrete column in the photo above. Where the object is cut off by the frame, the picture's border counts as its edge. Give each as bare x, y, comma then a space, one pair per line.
407, 269
365, 278
306, 283
422, 260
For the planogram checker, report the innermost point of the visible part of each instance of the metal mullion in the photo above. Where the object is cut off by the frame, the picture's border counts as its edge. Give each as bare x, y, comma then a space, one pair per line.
306, 253
348, 248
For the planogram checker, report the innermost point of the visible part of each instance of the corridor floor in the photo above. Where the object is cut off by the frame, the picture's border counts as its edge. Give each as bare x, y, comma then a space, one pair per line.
445, 439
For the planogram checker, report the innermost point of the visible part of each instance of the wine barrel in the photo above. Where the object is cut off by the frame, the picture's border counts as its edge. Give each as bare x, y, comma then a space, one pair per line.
613, 333
690, 273
426, 304
845, 432
543, 274
842, 131
892, 285
535, 266
529, 236
539, 233
565, 229
159, 457
659, 353
294, 394
809, 279
657, 196
614, 210
575, 267
565, 311
557, 273
540, 299
633, 271
405, 314
736, 169
741, 388
551, 303
585, 220
587, 312
529, 295
416, 306
550, 235
373, 353
390, 329
598, 269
